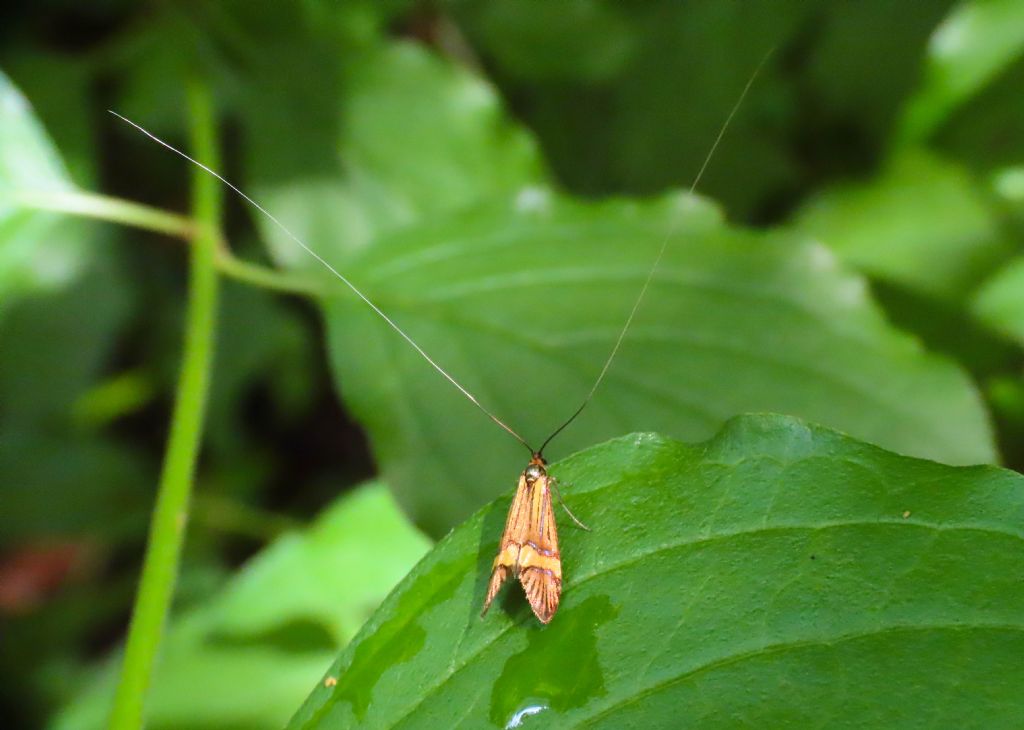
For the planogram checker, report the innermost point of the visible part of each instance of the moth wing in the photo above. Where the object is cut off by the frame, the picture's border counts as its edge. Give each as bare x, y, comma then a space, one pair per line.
498, 576
516, 526
542, 531
543, 591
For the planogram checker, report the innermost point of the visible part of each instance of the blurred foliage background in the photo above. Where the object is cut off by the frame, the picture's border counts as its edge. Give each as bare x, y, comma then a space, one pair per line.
882, 144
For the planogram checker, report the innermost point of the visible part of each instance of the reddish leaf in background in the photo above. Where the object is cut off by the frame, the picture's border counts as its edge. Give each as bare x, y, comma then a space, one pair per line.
32, 573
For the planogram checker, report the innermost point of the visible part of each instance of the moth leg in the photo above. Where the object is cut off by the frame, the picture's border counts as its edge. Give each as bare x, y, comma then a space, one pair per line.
554, 485
498, 576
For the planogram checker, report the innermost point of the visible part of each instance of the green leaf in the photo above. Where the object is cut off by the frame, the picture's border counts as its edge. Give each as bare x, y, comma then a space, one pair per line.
779, 575
977, 41
40, 251
59, 87
417, 137
62, 293
522, 304
988, 134
247, 658
1008, 186
1000, 302
923, 223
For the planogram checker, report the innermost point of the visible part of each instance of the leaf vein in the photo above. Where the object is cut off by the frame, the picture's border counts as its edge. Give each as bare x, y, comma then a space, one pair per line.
785, 646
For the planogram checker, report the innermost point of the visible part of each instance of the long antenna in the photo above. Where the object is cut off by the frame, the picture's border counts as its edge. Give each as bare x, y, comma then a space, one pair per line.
355, 290
657, 261
391, 323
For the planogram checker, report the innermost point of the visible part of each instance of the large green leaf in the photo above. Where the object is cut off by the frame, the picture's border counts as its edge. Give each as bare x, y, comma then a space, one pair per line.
923, 223
779, 575
246, 658
523, 304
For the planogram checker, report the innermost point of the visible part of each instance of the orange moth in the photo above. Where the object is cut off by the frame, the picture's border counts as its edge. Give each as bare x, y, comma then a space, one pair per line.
529, 545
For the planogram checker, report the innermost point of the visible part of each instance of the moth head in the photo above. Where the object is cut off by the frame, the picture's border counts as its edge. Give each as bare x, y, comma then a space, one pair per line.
536, 469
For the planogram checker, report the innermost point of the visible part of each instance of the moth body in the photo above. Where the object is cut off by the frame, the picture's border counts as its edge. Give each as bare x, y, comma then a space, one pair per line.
529, 544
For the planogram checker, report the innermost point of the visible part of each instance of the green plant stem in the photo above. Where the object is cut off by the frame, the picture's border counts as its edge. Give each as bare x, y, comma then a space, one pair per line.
136, 215
265, 278
170, 515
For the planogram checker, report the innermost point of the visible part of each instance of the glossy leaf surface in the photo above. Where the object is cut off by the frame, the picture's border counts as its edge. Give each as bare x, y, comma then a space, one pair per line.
777, 574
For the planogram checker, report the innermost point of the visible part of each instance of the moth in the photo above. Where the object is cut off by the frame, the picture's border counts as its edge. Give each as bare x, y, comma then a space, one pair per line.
529, 545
